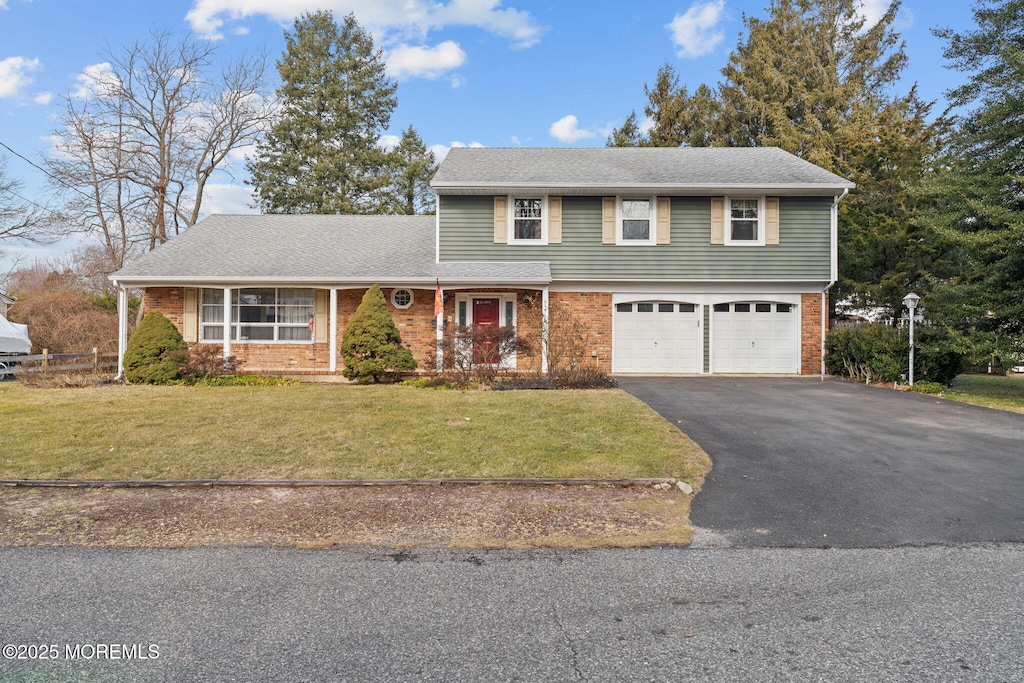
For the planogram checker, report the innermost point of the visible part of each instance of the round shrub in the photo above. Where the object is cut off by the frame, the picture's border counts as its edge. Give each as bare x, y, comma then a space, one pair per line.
155, 351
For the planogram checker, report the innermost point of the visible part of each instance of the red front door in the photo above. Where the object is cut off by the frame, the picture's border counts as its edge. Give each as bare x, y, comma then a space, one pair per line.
485, 319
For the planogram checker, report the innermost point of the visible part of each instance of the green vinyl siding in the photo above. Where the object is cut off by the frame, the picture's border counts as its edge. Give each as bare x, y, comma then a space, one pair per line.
467, 234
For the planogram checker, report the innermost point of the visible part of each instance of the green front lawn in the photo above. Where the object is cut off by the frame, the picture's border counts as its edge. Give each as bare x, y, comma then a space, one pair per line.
991, 391
334, 432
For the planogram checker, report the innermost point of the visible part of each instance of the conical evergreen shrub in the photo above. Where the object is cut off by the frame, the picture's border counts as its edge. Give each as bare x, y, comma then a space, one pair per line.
371, 346
154, 352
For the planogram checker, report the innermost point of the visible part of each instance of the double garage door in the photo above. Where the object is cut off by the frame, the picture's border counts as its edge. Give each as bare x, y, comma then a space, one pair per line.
669, 337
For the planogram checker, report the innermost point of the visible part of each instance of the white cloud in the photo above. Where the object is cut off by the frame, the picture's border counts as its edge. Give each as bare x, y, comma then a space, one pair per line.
647, 125
872, 10
441, 151
424, 62
14, 74
457, 81
92, 78
566, 129
43, 98
228, 198
380, 17
388, 142
694, 32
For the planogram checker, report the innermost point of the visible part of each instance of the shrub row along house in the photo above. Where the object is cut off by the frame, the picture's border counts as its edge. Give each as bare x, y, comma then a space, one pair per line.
688, 260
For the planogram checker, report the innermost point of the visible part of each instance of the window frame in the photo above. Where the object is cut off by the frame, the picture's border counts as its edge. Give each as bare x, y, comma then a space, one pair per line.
236, 323
761, 222
412, 298
652, 221
512, 239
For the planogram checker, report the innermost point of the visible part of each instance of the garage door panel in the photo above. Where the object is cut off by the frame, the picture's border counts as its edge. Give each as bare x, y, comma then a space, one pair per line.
754, 337
657, 337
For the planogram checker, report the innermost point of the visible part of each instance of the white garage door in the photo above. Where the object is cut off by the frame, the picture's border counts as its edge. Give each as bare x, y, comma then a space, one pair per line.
656, 337
754, 337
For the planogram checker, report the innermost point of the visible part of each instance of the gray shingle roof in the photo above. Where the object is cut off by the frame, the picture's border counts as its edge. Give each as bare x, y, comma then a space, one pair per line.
314, 249
682, 170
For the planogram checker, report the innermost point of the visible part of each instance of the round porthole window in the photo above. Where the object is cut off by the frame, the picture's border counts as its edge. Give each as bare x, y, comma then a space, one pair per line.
401, 298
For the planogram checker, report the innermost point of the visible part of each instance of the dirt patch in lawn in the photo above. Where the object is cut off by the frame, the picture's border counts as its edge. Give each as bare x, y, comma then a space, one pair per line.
485, 516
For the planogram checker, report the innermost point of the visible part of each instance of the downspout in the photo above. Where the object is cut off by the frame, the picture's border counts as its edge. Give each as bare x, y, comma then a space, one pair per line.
833, 274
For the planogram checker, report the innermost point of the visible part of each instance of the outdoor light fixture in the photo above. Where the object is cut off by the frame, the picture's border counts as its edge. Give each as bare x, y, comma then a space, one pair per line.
910, 301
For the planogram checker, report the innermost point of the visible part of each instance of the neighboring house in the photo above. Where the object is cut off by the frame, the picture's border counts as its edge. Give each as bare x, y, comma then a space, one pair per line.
5, 303
683, 260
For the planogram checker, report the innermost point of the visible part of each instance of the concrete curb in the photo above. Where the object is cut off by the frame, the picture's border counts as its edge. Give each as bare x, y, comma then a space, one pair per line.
295, 483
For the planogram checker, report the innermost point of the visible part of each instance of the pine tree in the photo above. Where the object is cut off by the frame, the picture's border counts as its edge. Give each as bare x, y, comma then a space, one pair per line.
372, 346
813, 79
412, 167
978, 197
322, 153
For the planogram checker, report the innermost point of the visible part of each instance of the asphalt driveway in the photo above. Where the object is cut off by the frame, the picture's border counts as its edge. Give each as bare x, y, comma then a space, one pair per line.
805, 463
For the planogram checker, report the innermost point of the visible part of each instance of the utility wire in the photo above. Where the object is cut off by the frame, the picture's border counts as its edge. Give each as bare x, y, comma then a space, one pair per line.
46, 172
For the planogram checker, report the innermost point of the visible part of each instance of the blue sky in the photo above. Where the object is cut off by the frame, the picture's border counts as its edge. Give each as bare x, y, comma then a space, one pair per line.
498, 73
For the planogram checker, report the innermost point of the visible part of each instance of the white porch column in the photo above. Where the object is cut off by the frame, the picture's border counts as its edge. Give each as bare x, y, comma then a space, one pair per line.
544, 331
333, 317
227, 322
122, 327
439, 324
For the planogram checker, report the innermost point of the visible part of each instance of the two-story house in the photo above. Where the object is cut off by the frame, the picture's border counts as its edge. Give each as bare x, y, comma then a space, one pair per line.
683, 260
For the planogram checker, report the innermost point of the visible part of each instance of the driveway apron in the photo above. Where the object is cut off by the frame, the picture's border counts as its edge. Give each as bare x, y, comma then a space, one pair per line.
805, 463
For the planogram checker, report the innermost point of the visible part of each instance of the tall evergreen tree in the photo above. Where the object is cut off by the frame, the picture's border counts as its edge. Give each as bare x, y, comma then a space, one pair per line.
814, 79
978, 196
412, 167
322, 153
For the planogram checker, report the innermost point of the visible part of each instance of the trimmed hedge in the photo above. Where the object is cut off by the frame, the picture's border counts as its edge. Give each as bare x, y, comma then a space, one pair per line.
881, 353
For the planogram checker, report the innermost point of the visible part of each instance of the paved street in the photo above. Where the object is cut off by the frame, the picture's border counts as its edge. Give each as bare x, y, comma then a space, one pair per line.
936, 614
805, 463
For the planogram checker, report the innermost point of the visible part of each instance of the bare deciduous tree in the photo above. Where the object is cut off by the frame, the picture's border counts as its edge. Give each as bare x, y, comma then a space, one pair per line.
138, 144
18, 220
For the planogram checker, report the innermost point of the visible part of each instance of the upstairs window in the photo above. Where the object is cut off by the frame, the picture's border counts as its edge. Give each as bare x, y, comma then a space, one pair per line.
527, 218
745, 221
636, 221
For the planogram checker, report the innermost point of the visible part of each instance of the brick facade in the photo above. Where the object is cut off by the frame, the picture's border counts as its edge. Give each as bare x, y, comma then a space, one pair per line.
167, 300
594, 311
591, 311
415, 324
810, 333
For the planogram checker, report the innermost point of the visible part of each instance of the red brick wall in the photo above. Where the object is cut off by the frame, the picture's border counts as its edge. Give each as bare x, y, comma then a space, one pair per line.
594, 310
810, 333
167, 300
